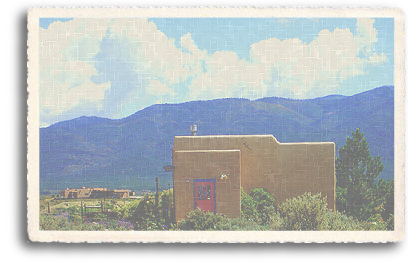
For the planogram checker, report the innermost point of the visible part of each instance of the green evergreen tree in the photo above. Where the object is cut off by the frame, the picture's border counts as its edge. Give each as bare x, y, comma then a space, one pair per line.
357, 190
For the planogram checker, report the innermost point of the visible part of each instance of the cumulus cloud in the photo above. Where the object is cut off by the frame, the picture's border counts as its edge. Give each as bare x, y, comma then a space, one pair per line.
119, 66
290, 68
67, 66
157, 88
301, 70
366, 35
228, 76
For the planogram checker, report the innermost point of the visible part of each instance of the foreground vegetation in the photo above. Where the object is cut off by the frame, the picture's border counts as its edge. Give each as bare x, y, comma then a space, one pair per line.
306, 212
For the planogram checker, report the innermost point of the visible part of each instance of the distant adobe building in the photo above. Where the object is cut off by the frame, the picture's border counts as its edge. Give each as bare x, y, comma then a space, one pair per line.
94, 193
209, 171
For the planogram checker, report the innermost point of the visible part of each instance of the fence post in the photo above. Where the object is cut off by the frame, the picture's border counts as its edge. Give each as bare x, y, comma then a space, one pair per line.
49, 208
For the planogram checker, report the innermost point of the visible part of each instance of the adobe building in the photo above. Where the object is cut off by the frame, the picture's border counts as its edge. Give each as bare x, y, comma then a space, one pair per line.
94, 193
209, 171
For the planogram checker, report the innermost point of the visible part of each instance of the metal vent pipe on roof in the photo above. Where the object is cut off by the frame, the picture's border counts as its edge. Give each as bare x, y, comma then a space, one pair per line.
193, 129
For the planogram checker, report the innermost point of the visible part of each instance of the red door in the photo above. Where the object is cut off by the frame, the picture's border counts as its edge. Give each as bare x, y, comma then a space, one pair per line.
204, 194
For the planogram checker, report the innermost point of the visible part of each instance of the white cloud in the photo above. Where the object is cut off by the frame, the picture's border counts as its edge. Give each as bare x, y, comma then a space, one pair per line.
228, 76
159, 89
187, 42
377, 59
317, 68
289, 67
66, 66
366, 35
67, 85
157, 54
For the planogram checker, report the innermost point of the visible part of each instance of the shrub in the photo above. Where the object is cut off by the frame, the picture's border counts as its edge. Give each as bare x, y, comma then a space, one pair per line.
198, 220
307, 212
264, 204
126, 211
167, 206
340, 222
146, 216
248, 207
257, 206
310, 212
390, 222
54, 222
239, 224
274, 220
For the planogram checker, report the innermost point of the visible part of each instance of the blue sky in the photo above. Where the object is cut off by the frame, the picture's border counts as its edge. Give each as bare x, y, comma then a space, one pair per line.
115, 67
45, 22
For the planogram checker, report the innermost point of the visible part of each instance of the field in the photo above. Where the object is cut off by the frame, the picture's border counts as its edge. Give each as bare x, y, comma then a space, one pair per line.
67, 214
58, 205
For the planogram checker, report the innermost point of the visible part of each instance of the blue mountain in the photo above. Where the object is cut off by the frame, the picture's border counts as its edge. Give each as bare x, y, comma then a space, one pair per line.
131, 152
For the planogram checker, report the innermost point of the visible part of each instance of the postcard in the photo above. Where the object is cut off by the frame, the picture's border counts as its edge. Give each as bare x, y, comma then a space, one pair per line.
215, 124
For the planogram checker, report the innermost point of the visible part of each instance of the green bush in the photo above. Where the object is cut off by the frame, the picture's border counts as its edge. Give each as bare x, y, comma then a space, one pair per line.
239, 224
310, 212
390, 222
167, 206
340, 222
147, 215
198, 220
307, 212
126, 211
257, 206
248, 207
274, 220
264, 204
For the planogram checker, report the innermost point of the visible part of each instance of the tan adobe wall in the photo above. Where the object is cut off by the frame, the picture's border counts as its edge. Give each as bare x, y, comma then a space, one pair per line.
286, 170
190, 165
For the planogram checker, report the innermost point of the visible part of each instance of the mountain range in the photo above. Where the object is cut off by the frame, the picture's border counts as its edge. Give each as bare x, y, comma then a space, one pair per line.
130, 152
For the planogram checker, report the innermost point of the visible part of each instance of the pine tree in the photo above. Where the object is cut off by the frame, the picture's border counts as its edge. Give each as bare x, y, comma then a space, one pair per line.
356, 175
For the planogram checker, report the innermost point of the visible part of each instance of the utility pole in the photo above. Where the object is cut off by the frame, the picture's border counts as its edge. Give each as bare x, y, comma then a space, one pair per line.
157, 192
169, 210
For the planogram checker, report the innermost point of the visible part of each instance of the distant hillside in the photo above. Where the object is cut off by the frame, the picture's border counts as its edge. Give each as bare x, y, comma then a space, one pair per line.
131, 152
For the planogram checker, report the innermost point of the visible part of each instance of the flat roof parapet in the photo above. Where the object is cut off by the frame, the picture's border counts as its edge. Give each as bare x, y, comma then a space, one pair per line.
270, 136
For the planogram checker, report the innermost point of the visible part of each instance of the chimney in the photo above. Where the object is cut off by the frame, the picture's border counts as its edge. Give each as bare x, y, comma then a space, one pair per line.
193, 129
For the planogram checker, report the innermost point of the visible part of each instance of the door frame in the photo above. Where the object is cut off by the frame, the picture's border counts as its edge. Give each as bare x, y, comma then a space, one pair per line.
215, 194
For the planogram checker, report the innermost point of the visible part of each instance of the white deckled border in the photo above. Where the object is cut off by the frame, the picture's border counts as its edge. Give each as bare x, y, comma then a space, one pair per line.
226, 236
